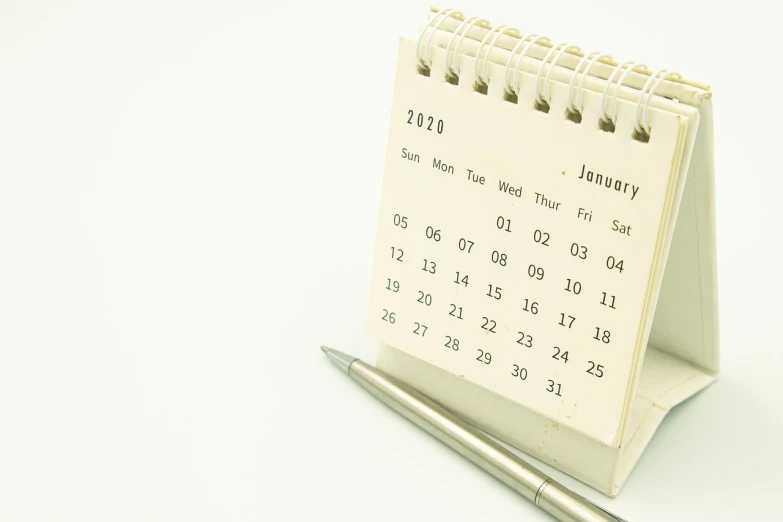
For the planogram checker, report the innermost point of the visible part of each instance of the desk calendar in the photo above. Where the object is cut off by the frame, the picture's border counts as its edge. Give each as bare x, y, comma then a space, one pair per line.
544, 260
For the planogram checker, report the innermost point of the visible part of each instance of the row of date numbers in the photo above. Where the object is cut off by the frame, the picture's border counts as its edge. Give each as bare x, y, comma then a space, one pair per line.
496, 292
501, 259
539, 237
490, 326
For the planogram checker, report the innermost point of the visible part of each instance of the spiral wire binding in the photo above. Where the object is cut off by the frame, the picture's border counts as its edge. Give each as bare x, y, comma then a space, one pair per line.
529, 45
580, 90
563, 47
608, 119
613, 114
489, 50
453, 71
497, 29
664, 75
522, 41
427, 63
647, 84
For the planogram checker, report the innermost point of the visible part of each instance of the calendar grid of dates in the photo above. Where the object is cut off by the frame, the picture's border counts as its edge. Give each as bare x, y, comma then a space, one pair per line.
519, 250
515, 300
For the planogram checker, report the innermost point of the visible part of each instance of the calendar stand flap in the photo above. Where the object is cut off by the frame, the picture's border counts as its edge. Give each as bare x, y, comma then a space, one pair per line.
685, 324
682, 317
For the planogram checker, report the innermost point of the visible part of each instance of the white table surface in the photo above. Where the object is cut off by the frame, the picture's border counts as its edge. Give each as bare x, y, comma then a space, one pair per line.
188, 198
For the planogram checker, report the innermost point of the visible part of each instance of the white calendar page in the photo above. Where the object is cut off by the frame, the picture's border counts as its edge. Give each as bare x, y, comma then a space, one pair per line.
501, 259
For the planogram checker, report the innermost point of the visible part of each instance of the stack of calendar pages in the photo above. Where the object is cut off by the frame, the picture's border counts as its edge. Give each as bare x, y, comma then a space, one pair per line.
545, 250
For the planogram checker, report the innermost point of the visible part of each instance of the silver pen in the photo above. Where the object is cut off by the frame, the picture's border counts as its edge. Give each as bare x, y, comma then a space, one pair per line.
552, 497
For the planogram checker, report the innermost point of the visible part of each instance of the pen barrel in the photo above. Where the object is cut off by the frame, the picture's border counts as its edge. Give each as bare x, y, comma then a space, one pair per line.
526, 480
567, 506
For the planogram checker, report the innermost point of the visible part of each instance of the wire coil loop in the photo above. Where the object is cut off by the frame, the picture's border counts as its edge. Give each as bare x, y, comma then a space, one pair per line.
453, 68
546, 98
501, 30
592, 58
642, 124
525, 48
440, 17
628, 66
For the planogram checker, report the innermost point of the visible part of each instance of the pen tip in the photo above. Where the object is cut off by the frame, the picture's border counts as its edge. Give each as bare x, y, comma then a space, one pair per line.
342, 360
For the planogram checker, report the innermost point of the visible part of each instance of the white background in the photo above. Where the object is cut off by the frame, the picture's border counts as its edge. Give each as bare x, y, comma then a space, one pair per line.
188, 198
